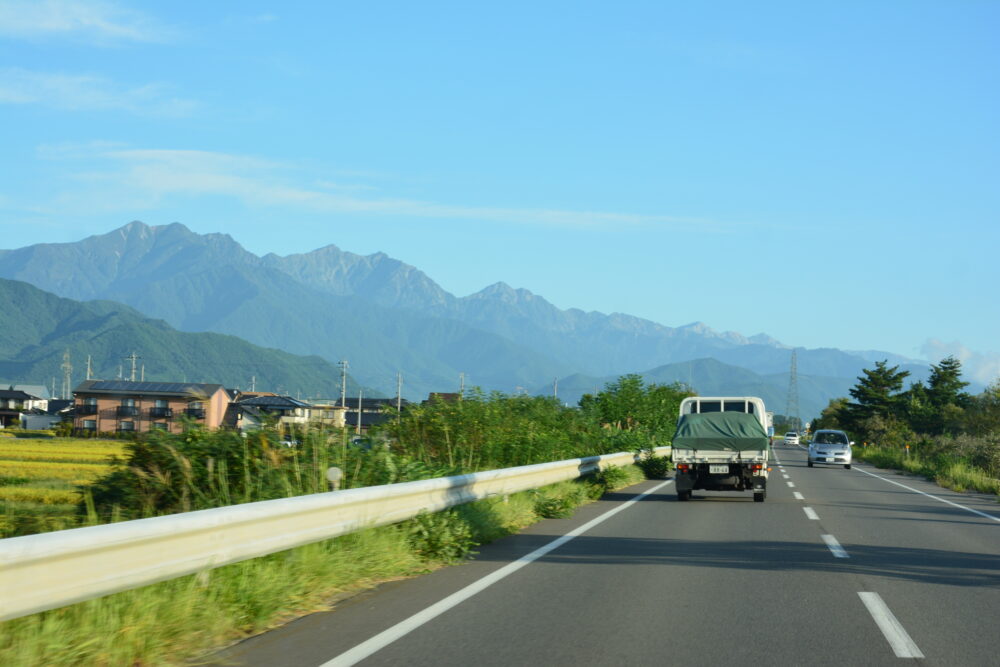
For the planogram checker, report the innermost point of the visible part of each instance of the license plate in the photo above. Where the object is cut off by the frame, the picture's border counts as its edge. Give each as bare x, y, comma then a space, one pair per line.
718, 470
829, 459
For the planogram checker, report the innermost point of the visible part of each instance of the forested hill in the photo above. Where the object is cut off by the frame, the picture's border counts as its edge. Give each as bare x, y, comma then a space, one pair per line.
37, 328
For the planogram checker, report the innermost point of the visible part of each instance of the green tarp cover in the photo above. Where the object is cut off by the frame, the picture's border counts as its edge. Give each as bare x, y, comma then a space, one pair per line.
720, 431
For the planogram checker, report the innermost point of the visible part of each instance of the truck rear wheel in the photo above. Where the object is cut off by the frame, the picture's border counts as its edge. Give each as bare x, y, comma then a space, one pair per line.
683, 495
759, 496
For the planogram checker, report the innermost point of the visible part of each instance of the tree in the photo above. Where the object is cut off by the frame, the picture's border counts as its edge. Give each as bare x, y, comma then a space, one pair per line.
832, 415
945, 384
876, 395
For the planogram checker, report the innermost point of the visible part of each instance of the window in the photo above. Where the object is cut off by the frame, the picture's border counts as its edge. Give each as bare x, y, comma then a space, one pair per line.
128, 402
196, 405
90, 400
709, 406
158, 426
126, 426
160, 403
90, 424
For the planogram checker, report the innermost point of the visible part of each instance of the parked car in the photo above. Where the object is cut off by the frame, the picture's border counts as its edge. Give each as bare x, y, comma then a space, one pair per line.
829, 446
791, 438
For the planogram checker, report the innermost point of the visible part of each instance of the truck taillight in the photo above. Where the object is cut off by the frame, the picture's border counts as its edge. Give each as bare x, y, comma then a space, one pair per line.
757, 466
683, 467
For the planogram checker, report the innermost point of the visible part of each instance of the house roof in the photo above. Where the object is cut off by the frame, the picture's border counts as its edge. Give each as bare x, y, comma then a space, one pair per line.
273, 402
372, 403
16, 394
120, 387
36, 390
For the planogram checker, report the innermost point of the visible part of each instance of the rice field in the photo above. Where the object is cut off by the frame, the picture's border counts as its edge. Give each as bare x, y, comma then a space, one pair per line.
39, 479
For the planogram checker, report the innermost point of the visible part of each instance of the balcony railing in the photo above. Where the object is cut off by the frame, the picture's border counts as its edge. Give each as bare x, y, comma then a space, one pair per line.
86, 409
195, 413
127, 411
160, 413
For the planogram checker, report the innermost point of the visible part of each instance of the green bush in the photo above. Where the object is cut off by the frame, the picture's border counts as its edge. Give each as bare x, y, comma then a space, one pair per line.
442, 536
655, 467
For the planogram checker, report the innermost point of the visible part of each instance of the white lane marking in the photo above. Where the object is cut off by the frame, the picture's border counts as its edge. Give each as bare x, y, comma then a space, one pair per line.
791, 485
948, 502
902, 645
403, 628
786, 476
799, 496
811, 513
838, 551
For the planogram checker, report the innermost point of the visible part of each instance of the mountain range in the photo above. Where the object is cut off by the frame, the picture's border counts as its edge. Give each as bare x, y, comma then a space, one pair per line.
384, 316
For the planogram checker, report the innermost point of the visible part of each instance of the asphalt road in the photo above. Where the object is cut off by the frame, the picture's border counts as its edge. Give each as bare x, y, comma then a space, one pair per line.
838, 566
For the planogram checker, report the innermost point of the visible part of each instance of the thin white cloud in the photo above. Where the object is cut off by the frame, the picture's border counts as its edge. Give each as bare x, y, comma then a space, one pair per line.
257, 182
90, 20
145, 178
86, 92
983, 368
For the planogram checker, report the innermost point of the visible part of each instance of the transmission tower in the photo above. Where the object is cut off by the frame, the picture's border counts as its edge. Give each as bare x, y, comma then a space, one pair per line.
67, 369
792, 404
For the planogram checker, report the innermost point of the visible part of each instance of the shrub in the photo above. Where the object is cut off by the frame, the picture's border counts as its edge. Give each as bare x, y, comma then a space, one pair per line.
443, 536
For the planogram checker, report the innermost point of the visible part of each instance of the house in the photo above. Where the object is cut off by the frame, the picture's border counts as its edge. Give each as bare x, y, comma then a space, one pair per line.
251, 411
124, 406
362, 414
12, 403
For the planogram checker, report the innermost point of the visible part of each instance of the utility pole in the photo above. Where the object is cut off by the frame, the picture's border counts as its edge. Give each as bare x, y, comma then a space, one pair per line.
343, 383
792, 404
120, 372
142, 373
253, 383
88, 367
461, 384
555, 387
357, 429
399, 395
133, 358
67, 369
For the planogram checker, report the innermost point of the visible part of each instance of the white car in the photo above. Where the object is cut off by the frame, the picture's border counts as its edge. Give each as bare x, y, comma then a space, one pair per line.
791, 438
829, 446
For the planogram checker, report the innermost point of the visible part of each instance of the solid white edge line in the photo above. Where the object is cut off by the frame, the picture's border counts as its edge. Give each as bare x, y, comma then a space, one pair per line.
948, 502
403, 628
799, 496
902, 645
834, 546
811, 513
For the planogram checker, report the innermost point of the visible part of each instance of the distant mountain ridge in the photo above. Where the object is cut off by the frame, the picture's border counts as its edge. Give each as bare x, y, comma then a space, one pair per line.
383, 315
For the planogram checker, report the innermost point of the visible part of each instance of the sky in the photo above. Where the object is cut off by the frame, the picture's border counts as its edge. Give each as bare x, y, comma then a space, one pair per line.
827, 173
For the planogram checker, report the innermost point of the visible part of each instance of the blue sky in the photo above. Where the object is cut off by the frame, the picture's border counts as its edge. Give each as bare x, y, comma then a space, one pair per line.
826, 173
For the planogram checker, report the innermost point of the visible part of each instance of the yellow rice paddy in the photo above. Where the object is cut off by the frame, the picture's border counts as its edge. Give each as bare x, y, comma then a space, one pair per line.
46, 472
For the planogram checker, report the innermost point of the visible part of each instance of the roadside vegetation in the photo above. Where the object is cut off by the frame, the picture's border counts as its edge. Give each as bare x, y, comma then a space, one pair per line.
175, 621
936, 430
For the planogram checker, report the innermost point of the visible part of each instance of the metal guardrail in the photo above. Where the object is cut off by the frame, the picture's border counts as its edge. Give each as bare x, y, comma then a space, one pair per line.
50, 570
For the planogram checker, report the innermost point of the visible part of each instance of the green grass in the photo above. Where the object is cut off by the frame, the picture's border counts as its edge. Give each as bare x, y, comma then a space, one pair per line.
952, 474
177, 621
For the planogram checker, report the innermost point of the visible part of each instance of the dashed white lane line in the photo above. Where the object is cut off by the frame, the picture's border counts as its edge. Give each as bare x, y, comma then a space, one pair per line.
791, 485
902, 645
947, 502
799, 496
811, 513
785, 476
835, 548
403, 628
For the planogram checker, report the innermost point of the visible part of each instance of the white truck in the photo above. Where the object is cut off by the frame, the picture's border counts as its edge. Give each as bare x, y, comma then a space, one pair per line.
721, 444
